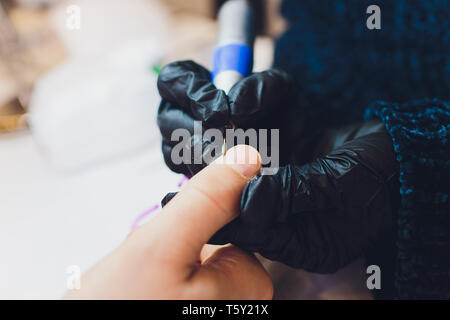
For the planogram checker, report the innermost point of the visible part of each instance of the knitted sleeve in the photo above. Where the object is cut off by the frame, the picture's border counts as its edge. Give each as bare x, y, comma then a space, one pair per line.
420, 134
341, 66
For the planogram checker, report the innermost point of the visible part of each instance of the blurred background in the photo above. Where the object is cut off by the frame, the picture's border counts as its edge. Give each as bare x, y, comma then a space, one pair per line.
80, 159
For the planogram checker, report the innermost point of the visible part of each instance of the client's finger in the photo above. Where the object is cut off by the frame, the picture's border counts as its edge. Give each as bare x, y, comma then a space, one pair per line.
229, 267
204, 205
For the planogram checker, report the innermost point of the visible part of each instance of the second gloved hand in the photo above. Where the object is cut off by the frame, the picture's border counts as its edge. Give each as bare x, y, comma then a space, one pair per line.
322, 215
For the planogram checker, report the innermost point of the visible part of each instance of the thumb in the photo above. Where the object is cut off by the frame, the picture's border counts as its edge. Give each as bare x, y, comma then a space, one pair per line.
206, 203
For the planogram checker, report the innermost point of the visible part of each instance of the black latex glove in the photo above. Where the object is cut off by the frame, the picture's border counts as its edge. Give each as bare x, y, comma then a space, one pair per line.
328, 206
321, 215
258, 101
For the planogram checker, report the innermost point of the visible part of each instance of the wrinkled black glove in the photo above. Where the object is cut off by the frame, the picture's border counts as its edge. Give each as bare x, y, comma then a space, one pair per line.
259, 101
322, 215
333, 201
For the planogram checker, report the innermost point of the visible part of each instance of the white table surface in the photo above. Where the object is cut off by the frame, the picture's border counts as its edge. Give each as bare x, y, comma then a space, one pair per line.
50, 220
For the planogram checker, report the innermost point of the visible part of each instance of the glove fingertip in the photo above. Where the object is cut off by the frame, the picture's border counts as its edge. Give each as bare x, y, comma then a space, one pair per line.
167, 198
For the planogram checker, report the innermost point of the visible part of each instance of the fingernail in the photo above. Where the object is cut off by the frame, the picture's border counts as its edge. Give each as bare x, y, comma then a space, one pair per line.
244, 159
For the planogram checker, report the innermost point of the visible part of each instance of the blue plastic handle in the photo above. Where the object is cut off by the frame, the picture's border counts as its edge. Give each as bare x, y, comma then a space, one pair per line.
235, 56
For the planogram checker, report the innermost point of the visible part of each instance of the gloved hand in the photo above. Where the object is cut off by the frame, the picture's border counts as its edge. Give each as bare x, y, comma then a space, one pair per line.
333, 200
321, 215
258, 101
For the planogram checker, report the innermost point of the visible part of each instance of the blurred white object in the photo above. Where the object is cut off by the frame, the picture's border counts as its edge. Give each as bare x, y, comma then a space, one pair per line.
101, 102
87, 110
106, 24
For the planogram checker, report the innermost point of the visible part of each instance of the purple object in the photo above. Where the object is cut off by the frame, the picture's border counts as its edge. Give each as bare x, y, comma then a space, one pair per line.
183, 180
143, 215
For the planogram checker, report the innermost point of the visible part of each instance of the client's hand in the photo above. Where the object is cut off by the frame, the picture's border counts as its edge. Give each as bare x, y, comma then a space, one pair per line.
166, 258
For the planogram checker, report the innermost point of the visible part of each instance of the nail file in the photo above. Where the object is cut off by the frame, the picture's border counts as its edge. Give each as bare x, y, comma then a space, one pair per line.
233, 55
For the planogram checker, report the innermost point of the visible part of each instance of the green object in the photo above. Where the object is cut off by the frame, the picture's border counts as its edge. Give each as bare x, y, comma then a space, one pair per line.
156, 68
